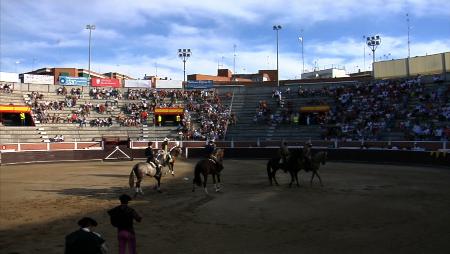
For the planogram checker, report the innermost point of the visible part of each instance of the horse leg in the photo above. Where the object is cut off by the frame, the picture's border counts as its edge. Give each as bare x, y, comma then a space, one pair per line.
218, 182
216, 185
292, 178
171, 168
214, 181
138, 189
158, 188
320, 180
296, 179
269, 173
205, 177
274, 178
314, 173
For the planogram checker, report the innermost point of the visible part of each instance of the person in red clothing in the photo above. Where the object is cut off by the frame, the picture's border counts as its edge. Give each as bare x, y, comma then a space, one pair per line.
122, 217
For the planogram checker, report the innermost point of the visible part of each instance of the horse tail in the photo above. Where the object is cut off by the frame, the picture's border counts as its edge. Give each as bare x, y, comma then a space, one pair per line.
197, 178
131, 178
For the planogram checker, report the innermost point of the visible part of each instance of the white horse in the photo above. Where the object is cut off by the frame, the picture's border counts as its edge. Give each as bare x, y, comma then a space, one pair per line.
142, 169
169, 159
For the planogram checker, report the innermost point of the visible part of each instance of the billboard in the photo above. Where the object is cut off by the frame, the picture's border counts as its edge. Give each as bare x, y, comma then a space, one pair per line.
169, 111
73, 81
199, 84
9, 77
108, 82
38, 79
138, 83
169, 84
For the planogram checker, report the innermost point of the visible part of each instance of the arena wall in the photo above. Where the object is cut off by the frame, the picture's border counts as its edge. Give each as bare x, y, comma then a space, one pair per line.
391, 69
447, 61
376, 156
423, 65
426, 65
345, 155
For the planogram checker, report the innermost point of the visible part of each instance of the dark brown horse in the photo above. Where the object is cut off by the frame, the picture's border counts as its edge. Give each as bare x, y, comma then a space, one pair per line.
296, 162
211, 166
317, 159
273, 165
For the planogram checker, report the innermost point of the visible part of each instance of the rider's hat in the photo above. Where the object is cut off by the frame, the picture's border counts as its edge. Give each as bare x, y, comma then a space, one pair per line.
166, 139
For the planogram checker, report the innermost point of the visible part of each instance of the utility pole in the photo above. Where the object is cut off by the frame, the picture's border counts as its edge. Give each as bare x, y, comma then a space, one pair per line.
277, 28
90, 28
234, 59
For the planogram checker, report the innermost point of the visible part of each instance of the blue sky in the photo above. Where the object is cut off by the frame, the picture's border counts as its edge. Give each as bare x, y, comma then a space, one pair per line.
135, 36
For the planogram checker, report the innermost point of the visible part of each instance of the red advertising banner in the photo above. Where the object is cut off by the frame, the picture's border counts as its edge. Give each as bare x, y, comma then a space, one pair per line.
109, 82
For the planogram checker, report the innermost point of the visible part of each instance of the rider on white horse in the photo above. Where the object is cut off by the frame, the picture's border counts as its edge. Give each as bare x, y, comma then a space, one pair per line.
165, 148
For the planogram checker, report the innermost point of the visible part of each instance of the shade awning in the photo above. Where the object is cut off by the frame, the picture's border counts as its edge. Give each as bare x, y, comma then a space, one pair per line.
14, 109
322, 108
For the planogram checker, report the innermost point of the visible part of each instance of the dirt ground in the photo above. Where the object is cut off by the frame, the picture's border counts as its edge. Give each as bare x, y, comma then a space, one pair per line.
361, 209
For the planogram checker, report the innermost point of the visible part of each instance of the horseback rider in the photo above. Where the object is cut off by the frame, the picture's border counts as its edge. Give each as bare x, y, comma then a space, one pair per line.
151, 157
283, 152
307, 155
209, 150
165, 148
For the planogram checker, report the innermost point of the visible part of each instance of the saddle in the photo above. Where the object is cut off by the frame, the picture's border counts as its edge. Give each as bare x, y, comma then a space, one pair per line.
153, 164
213, 158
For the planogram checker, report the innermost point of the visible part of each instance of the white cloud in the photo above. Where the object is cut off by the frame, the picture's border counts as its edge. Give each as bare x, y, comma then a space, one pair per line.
141, 32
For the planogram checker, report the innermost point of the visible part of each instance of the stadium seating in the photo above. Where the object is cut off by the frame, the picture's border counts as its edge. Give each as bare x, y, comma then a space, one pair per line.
423, 105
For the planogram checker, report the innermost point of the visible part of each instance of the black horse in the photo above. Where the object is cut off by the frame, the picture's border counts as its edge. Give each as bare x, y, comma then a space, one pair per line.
211, 166
274, 164
294, 164
313, 166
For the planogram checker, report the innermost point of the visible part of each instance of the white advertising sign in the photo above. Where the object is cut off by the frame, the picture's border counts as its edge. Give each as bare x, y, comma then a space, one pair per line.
138, 83
38, 79
169, 84
9, 77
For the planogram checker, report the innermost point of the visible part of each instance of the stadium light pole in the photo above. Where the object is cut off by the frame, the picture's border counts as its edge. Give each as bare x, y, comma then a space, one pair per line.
234, 59
184, 54
364, 55
373, 42
277, 28
90, 28
301, 38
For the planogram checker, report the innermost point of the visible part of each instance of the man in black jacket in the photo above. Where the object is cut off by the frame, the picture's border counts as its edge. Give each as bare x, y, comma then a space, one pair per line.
84, 240
151, 157
149, 153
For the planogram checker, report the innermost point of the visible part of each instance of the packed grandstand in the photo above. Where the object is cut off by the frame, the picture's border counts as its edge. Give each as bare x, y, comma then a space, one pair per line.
408, 109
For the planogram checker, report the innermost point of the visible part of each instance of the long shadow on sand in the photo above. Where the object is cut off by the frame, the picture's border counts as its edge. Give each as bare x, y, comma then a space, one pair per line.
96, 193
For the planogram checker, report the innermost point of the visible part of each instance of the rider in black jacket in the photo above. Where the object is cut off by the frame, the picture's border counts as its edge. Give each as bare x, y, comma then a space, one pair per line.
151, 157
149, 153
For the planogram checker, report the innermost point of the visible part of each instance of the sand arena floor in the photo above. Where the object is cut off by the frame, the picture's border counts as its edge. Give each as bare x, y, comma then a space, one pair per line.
361, 209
